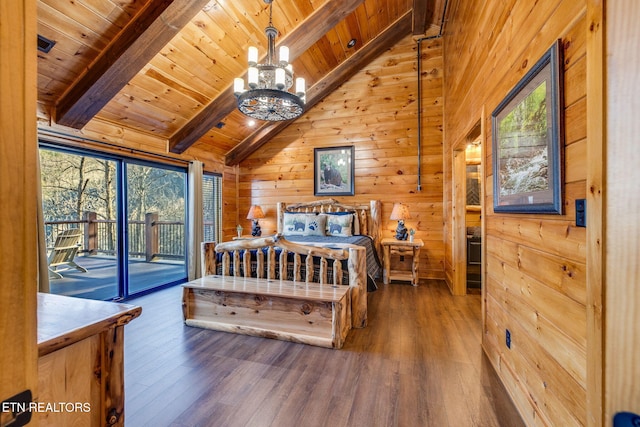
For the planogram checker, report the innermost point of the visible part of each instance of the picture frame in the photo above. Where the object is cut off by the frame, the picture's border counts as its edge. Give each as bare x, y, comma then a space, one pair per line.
528, 140
334, 171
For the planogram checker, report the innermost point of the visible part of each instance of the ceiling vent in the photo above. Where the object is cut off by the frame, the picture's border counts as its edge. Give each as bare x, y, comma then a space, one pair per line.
44, 44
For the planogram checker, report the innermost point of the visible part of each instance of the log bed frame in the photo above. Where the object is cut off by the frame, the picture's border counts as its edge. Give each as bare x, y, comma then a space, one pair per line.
300, 310
369, 216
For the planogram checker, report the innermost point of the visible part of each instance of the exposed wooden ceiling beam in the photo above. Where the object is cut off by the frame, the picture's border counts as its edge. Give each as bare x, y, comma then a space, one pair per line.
423, 15
299, 40
146, 34
387, 39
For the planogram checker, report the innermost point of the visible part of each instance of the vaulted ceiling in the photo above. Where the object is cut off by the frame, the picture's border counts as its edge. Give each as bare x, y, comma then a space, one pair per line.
166, 67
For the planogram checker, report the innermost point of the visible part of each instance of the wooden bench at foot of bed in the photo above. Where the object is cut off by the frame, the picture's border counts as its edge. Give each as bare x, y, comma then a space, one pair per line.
252, 296
308, 313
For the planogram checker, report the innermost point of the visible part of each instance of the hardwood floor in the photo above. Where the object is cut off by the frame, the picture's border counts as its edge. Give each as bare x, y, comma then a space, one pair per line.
418, 363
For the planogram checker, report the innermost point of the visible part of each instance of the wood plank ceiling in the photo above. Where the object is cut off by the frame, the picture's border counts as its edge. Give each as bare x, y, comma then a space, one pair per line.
166, 68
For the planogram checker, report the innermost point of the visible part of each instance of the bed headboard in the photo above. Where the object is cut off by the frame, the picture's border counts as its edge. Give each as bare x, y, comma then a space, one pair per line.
369, 216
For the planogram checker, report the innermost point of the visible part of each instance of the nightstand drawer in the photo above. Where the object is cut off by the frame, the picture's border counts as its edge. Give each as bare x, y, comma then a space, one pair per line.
402, 251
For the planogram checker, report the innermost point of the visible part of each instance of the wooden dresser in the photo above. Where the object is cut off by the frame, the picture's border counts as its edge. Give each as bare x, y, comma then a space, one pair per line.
81, 361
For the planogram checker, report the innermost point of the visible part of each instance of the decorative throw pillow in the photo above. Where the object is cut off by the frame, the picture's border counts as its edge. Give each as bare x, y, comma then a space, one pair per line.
339, 224
315, 225
294, 223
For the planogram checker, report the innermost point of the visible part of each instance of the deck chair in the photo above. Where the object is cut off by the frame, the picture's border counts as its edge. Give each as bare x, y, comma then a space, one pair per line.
64, 251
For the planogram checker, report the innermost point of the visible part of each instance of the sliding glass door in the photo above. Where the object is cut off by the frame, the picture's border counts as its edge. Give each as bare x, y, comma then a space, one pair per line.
156, 229
79, 193
129, 219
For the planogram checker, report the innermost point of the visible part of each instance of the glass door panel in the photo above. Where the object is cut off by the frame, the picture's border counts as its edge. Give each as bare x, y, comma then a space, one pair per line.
79, 193
156, 227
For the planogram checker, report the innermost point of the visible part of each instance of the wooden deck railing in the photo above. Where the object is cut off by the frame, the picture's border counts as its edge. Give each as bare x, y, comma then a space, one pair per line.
151, 238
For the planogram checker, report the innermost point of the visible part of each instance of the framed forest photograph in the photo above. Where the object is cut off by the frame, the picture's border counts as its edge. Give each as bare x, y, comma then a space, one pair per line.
527, 141
333, 171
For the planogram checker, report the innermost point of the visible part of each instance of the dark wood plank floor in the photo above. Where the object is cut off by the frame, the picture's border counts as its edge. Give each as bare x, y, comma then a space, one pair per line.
418, 363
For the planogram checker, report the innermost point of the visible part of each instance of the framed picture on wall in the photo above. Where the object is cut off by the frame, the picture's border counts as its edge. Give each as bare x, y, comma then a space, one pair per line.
333, 171
528, 140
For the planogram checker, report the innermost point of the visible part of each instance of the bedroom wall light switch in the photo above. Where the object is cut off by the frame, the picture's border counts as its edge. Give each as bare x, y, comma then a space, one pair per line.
581, 212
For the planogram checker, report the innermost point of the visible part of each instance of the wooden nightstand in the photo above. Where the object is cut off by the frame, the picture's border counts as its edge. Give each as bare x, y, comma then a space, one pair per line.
391, 246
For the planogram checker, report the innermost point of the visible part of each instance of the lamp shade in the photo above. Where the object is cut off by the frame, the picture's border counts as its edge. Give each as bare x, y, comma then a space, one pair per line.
400, 212
255, 212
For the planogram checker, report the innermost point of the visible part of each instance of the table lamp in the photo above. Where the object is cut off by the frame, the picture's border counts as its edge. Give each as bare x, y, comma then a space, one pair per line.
255, 213
400, 212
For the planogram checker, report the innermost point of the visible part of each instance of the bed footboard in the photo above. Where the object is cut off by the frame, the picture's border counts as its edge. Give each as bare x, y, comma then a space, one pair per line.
276, 258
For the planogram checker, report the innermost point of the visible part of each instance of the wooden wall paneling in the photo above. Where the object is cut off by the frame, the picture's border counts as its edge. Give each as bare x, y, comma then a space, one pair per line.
574, 78
544, 301
358, 113
539, 329
621, 220
18, 195
507, 375
535, 266
595, 147
230, 211
575, 116
329, 83
575, 158
545, 383
552, 20
111, 138
552, 236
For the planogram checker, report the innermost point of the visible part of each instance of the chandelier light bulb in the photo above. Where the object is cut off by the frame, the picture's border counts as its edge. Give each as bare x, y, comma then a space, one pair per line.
238, 86
253, 77
284, 56
300, 87
253, 56
280, 78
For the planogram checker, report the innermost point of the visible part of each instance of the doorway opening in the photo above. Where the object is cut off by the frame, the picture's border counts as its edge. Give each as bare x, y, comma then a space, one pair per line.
467, 213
